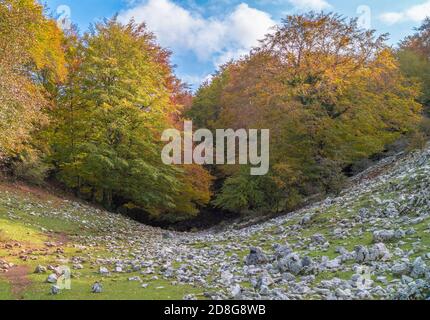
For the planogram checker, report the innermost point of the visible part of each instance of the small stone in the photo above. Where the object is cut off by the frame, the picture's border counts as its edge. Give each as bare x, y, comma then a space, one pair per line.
292, 263
55, 290
167, 235
97, 288
391, 210
264, 281
383, 236
103, 271
379, 252
256, 257
364, 213
40, 269
333, 264
306, 219
135, 279
235, 291
318, 239
226, 278
361, 254
382, 279
419, 268
406, 279
400, 269
78, 266
52, 278
288, 277
282, 251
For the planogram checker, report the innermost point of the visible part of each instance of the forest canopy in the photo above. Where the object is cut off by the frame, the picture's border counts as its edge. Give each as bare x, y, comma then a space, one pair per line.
86, 111
331, 94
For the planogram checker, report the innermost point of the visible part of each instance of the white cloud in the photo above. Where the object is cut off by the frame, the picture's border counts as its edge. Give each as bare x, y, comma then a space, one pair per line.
310, 4
215, 39
415, 13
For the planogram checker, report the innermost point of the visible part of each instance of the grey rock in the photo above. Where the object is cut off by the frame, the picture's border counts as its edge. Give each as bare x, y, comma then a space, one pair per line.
419, 268
167, 235
391, 211
235, 291
291, 263
361, 254
401, 268
364, 213
318, 239
52, 278
103, 271
333, 264
383, 236
40, 269
97, 288
288, 277
256, 257
307, 219
264, 281
282, 251
406, 279
379, 252
226, 278
55, 290
307, 262
136, 279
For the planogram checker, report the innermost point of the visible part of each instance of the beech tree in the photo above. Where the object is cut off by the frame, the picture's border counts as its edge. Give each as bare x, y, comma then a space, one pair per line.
106, 143
330, 93
414, 58
31, 60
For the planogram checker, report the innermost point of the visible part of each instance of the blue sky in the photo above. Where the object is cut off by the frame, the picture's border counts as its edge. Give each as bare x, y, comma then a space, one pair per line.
203, 34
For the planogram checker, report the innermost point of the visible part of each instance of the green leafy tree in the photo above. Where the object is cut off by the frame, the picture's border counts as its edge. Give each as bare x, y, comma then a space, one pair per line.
414, 58
112, 110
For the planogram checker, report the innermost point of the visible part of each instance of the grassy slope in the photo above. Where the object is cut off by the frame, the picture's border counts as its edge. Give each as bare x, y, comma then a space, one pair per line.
31, 219
29, 222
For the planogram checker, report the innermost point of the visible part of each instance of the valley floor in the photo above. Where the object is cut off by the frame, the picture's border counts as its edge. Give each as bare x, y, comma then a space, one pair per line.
372, 242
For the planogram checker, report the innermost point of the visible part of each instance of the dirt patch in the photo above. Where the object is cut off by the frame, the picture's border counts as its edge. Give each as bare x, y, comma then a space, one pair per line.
18, 279
60, 239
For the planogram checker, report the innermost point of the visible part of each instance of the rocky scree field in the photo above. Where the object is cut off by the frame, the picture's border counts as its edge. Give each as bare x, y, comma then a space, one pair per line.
371, 242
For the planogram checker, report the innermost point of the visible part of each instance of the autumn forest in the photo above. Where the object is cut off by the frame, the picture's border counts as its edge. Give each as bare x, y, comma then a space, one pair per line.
85, 111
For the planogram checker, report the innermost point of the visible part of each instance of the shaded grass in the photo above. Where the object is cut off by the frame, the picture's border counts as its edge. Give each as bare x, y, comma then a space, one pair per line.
5, 292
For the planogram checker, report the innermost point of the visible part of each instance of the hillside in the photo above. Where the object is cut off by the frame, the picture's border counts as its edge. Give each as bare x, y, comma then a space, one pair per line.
372, 242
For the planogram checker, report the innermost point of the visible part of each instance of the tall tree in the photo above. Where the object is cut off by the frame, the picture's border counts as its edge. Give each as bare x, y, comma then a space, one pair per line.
414, 57
31, 61
330, 93
106, 140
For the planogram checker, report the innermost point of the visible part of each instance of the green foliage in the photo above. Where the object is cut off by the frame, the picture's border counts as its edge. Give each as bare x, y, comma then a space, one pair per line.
414, 58
417, 68
206, 105
30, 167
111, 113
243, 192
